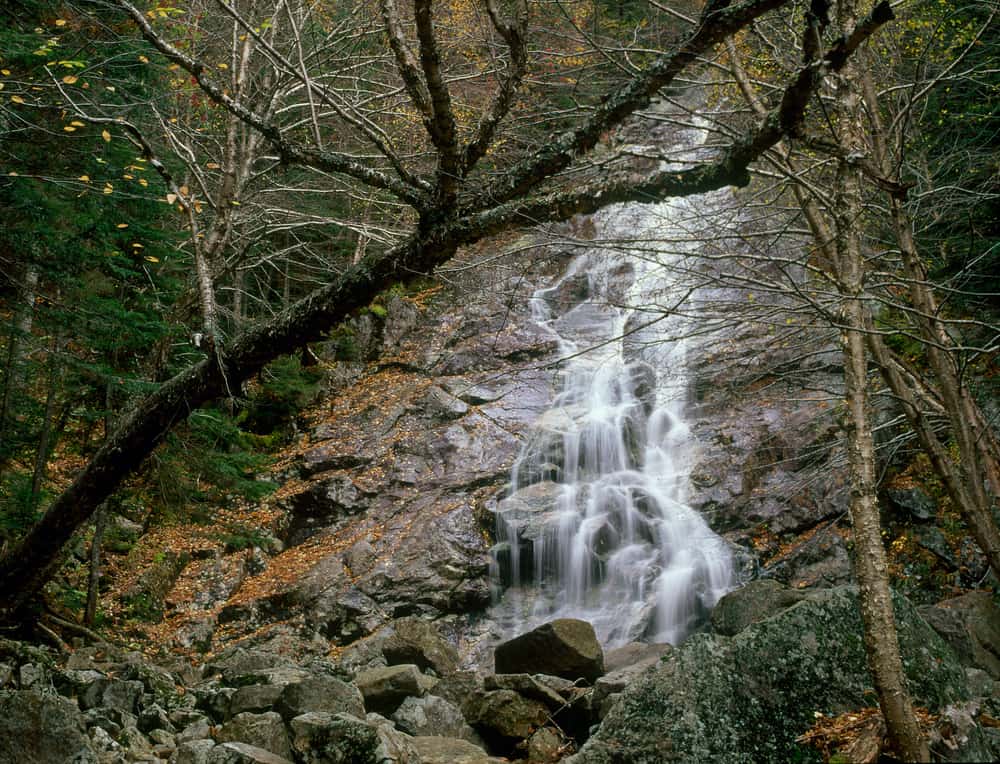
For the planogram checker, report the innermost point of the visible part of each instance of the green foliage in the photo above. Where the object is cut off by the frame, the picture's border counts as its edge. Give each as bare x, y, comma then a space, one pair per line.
286, 388
17, 509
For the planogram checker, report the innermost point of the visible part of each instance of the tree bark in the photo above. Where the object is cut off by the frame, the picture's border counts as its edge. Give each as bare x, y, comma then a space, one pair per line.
94, 579
870, 565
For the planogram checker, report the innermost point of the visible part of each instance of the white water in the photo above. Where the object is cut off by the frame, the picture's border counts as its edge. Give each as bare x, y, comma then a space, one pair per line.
595, 525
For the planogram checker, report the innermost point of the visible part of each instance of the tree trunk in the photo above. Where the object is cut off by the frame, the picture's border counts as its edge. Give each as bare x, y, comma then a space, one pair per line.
94, 580
870, 565
45, 438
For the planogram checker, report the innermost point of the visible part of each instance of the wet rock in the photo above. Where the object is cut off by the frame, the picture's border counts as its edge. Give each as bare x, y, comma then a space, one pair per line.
319, 694
327, 500
970, 624
749, 604
545, 745
42, 729
446, 750
414, 640
243, 753
733, 699
913, 502
265, 731
384, 689
504, 718
321, 738
635, 653
565, 647
433, 716
255, 698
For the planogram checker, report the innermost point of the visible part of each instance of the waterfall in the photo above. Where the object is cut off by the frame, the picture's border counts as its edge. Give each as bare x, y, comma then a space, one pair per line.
595, 524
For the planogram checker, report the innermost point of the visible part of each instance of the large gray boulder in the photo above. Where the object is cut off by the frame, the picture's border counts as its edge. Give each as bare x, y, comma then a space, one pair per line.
384, 689
414, 640
432, 716
42, 729
265, 731
749, 604
319, 693
320, 738
566, 647
746, 698
971, 625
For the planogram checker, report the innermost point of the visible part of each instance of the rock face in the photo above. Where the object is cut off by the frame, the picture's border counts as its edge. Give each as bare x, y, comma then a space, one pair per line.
42, 729
747, 697
970, 624
565, 647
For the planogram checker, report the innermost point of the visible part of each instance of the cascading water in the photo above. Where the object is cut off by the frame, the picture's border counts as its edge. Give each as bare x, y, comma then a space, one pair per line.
595, 524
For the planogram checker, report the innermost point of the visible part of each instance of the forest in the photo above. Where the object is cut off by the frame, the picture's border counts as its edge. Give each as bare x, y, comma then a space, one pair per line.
221, 214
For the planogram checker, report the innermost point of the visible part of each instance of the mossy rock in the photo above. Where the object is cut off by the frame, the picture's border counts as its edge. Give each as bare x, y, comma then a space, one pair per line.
747, 697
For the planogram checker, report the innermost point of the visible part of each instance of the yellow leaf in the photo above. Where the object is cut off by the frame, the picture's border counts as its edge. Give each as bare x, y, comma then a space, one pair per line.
171, 198
223, 66
84, 178
17, 99
183, 190
128, 177
5, 72
144, 59
1, 86
106, 136
69, 79
151, 259
122, 225
137, 245
77, 123
212, 166
143, 182
110, 88
60, 22
69, 129
108, 188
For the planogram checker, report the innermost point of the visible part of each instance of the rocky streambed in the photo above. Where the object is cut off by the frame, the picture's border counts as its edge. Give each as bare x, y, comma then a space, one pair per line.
775, 661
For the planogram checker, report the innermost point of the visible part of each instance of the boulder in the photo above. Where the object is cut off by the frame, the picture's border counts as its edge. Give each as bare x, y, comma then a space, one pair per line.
416, 641
384, 689
970, 624
242, 753
192, 752
255, 698
321, 694
42, 729
432, 716
749, 604
566, 647
635, 653
448, 750
504, 718
746, 698
321, 738
265, 731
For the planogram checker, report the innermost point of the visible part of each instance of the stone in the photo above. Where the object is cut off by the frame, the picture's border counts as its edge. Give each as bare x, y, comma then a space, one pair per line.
199, 730
384, 689
154, 718
970, 624
913, 501
42, 729
534, 687
504, 718
321, 738
242, 753
192, 752
265, 731
255, 698
544, 746
414, 640
446, 750
749, 604
634, 653
747, 697
321, 694
432, 716
566, 647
